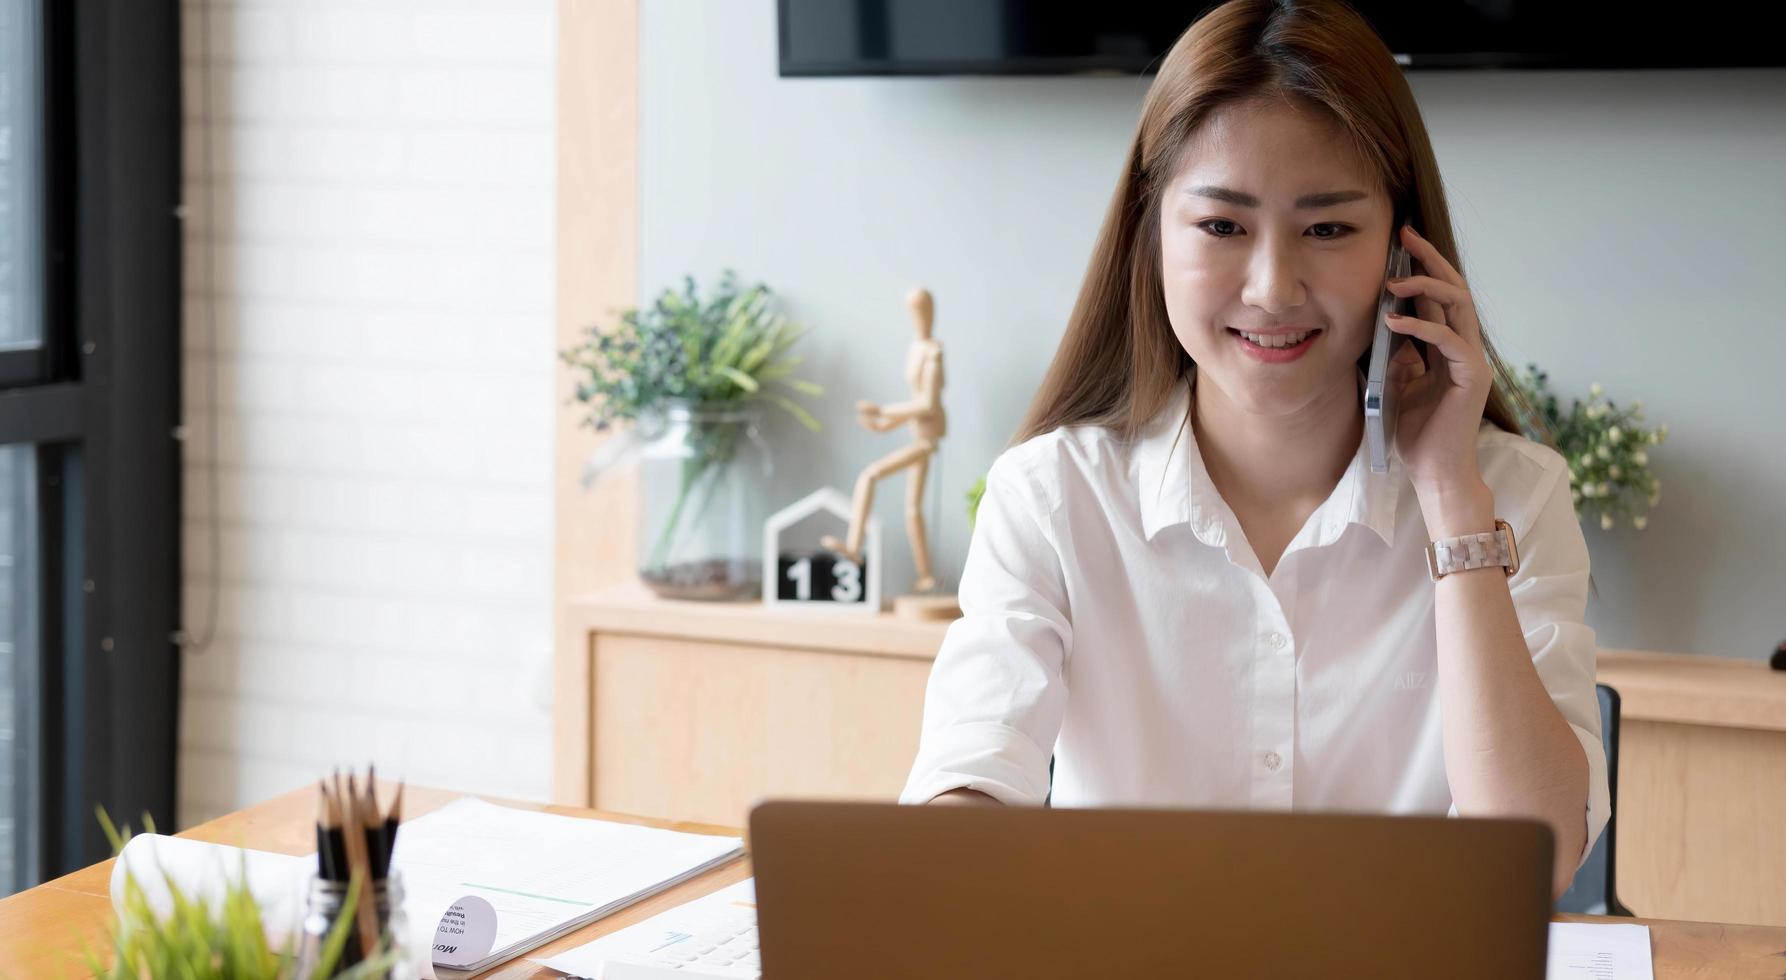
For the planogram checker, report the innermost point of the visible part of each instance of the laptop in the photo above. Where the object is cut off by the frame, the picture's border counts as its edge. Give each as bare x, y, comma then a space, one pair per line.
872, 890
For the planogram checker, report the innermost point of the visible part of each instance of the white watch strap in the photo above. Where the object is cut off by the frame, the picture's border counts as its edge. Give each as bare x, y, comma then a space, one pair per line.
1467, 551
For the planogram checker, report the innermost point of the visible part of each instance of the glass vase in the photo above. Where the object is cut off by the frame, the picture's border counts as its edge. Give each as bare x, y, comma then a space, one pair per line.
323, 906
703, 480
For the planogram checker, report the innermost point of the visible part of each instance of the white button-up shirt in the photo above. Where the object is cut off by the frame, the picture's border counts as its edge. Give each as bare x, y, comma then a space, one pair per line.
1115, 618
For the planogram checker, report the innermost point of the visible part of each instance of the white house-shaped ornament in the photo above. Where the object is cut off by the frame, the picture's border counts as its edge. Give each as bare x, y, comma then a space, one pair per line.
807, 576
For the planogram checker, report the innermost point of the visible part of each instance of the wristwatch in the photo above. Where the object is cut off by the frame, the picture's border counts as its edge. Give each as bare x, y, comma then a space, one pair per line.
1467, 551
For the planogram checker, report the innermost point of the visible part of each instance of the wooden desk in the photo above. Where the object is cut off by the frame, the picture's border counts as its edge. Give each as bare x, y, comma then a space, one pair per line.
41, 928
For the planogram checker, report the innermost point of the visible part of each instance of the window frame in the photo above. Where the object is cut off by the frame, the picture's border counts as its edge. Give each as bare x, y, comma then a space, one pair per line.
99, 398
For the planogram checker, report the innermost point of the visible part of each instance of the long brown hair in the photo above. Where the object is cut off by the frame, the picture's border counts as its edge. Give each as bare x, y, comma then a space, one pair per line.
1119, 359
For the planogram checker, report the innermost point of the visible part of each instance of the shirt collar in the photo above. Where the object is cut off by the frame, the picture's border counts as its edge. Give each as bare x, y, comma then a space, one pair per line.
1175, 487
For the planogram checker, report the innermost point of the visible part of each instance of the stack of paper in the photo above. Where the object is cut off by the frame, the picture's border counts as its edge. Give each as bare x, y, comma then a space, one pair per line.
544, 874
684, 933
1599, 951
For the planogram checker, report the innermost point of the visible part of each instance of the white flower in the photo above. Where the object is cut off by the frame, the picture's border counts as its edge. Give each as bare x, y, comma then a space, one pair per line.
1595, 391
1605, 488
1587, 489
1586, 460
1614, 434
1603, 452
1641, 458
1640, 522
1575, 495
1605, 522
1662, 433
1637, 405
1595, 411
1613, 471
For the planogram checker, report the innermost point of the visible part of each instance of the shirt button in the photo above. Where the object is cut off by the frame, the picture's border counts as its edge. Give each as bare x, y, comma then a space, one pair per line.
1273, 760
1276, 640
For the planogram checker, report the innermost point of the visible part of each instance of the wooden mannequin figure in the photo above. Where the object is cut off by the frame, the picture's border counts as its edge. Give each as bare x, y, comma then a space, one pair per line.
924, 413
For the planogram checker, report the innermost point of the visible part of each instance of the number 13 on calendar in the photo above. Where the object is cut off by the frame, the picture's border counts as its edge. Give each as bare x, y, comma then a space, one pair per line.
820, 577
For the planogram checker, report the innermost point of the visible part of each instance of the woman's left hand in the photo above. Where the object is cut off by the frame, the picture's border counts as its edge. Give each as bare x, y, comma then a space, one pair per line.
1442, 399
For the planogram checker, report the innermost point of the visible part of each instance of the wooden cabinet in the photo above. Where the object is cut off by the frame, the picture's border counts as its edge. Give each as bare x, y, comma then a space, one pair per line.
697, 710
1702, 787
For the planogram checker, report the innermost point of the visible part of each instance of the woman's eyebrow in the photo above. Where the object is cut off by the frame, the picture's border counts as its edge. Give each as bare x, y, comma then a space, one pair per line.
1326, 199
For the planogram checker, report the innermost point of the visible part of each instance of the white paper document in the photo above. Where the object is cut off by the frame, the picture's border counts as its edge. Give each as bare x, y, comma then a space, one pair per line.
712, 936
1598, 951
543, 873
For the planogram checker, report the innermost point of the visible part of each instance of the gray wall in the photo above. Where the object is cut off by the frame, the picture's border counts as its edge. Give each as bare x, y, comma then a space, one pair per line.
1619, 227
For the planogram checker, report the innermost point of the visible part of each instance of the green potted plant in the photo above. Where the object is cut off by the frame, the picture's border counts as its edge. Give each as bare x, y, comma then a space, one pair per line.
685, 379
221, 940
1607, 446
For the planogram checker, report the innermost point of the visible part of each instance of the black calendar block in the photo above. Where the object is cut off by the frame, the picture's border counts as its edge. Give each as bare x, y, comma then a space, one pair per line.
819, 576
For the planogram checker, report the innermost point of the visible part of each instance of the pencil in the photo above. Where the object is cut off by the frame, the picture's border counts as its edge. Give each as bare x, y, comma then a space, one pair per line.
337, 848
367, 816
324, 866
387, 825
375, 828
355, 832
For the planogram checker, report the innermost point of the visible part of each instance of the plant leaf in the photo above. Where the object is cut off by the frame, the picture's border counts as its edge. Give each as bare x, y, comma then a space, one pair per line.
796, 411
738, 377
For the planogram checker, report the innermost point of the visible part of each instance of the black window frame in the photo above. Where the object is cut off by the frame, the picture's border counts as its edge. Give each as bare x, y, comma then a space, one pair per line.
99, 399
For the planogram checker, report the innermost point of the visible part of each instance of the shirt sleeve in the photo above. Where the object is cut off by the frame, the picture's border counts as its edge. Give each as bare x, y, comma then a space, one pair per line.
997, 691
1550, 593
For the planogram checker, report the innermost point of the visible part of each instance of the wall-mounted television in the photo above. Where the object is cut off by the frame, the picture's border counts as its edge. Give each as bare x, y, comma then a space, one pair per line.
1128, 37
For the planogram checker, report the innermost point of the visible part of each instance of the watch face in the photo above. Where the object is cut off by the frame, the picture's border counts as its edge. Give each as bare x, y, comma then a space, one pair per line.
1509, 544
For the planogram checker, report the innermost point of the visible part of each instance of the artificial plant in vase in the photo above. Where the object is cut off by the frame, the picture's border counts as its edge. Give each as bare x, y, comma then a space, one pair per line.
1606, 445
683, 379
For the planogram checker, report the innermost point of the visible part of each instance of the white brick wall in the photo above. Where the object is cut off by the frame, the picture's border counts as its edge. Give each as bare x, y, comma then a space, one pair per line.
378, 266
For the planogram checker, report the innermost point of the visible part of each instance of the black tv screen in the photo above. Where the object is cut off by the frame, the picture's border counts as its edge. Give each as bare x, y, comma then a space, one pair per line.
1005, 37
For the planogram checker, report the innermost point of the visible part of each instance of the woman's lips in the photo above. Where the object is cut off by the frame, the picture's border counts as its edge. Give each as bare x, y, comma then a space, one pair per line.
1275, 355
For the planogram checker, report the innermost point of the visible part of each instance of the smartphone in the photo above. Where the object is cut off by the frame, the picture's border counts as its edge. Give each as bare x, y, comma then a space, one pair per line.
1379, 396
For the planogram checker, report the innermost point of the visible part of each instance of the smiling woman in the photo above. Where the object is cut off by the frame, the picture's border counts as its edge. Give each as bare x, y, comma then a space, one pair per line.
1188, 528
1308, 144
